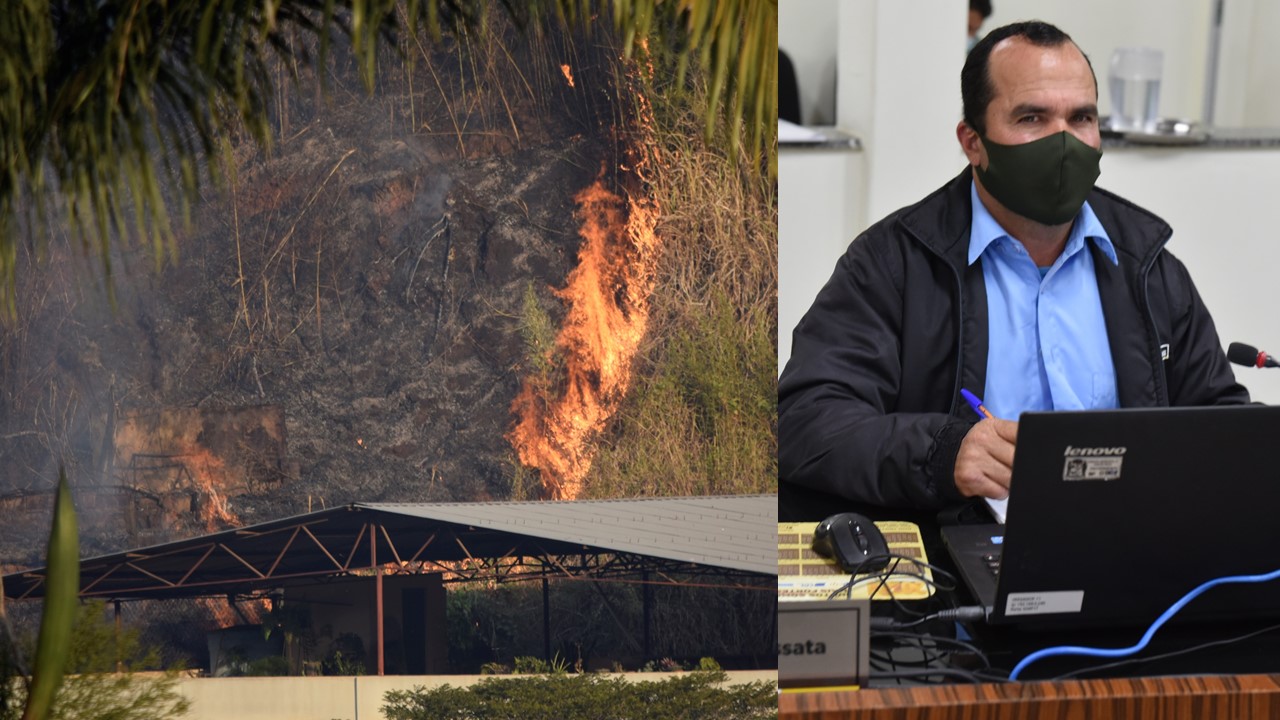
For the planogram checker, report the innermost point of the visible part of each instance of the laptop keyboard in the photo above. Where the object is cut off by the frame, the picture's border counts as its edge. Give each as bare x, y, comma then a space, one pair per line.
992, 561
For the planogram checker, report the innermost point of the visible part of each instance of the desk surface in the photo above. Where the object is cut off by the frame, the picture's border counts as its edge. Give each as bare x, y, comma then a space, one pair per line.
1216, 696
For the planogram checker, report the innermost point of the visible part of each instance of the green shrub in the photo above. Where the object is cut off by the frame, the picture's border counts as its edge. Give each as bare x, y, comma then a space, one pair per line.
531, 665
346, 656
696, 696
602, 625
537, 330
93, 690
269, 666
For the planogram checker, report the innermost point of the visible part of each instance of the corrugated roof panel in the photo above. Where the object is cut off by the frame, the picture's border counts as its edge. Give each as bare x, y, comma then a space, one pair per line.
736, 532
732, 532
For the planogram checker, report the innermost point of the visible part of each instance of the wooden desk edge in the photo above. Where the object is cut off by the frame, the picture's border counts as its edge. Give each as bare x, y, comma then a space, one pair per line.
1207, 696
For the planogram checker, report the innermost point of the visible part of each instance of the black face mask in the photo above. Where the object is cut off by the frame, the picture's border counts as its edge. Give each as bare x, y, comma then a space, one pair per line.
1045, 180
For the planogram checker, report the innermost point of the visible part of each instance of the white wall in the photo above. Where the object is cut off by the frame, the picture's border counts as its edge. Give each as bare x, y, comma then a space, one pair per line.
1249, 59
817, 212
1250, 68
344, 698
807, 32
899, 94
1217, 202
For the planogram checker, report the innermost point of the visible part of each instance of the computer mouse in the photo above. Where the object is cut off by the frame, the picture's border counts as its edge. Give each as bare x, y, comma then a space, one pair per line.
853, 541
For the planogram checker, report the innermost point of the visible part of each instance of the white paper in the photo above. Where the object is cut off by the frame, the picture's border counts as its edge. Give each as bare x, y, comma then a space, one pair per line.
999, 508
789, 132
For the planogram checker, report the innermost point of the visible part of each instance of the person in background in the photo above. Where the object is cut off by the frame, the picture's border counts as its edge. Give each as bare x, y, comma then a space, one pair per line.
1018, 280
788, 91
979, 11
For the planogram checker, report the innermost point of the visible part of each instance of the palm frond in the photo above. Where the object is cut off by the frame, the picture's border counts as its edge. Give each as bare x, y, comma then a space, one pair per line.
115, 110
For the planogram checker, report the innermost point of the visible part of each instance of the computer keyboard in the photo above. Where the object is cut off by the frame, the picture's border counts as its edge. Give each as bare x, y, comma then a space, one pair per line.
992, 561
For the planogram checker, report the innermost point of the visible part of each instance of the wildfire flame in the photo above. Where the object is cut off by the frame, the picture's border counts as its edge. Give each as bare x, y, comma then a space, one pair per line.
568, 74
205, 467
608, 311
178, 462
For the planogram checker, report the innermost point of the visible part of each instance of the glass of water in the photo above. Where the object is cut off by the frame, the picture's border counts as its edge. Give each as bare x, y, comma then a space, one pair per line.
1135, 88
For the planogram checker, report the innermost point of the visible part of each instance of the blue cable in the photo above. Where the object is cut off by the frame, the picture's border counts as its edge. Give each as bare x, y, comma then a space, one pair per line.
1151, 631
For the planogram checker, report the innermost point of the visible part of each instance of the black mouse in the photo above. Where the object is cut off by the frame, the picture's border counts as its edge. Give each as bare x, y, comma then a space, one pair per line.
853, 541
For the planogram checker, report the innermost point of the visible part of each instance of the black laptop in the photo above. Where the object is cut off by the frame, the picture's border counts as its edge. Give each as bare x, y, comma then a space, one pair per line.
1115, 514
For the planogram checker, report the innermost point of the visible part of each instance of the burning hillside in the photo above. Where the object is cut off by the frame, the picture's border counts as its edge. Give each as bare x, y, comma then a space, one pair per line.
363, 281
608, 300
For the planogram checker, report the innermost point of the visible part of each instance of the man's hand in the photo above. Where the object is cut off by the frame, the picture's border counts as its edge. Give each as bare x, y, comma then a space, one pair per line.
984, 464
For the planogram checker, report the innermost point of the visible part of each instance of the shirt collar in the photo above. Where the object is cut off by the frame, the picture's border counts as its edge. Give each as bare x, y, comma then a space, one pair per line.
985, 230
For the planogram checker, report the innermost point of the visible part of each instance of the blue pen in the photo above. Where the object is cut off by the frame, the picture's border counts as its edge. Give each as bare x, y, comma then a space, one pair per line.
976, 403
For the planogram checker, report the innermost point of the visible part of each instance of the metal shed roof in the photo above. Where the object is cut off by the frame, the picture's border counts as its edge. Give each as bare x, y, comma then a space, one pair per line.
735, 535
739, 533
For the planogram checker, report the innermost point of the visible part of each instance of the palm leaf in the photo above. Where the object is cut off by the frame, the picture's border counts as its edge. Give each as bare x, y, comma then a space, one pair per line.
109, 102
61, 599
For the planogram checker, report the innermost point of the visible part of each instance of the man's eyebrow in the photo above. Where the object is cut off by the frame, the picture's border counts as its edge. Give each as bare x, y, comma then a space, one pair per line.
1030, 109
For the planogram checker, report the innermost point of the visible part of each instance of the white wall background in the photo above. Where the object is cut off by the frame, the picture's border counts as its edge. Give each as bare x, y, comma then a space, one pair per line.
898, 79
1180, 28
807, 32
1248, 63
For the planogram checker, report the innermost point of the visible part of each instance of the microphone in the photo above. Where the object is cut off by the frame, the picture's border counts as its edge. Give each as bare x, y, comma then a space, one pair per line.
1250, 356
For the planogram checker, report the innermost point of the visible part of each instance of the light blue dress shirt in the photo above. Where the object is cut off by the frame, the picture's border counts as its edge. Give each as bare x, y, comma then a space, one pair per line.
1048, 347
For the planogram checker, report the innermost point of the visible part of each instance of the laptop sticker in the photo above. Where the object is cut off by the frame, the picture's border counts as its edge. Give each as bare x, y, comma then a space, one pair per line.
1044, 603
1092, 463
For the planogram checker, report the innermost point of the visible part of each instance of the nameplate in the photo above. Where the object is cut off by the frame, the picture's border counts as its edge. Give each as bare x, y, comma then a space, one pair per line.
823, 643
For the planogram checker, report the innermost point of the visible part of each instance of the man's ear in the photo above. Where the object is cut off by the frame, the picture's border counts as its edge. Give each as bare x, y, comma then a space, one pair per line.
970, 143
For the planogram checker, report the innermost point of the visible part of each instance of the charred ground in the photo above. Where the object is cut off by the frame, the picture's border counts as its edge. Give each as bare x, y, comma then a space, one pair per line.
343, 322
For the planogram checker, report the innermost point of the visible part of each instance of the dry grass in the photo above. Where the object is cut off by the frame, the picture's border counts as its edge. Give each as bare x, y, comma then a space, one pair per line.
701, 417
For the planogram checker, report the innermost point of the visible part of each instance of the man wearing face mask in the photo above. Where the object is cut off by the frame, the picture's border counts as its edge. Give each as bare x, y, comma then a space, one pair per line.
1018, 280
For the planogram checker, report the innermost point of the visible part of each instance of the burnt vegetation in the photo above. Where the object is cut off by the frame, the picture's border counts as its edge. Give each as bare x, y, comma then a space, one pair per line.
383, 279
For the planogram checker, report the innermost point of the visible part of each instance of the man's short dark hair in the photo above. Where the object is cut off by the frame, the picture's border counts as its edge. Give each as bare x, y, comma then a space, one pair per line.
982, 6
976, 87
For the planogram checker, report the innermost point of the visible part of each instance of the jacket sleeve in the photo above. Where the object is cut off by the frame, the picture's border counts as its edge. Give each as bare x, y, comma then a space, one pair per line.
1197, 372
841, 429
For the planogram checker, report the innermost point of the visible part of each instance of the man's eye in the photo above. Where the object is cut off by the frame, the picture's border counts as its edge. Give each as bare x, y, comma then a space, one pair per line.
1029, 118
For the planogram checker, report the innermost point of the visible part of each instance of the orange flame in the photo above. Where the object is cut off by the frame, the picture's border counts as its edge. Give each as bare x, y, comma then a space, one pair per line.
206, 469
166, 453
568, 74
608, 299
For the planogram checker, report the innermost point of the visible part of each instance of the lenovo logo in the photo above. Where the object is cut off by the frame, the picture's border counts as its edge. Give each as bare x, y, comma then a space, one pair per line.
1093, 451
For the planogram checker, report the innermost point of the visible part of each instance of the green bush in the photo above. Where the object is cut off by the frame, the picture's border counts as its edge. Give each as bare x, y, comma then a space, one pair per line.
93, 690
346, 656
537, 330
602, 625
694, 696
269, 666
531, 665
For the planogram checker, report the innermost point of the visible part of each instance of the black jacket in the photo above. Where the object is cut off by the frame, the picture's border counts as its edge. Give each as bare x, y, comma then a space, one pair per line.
869, 407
